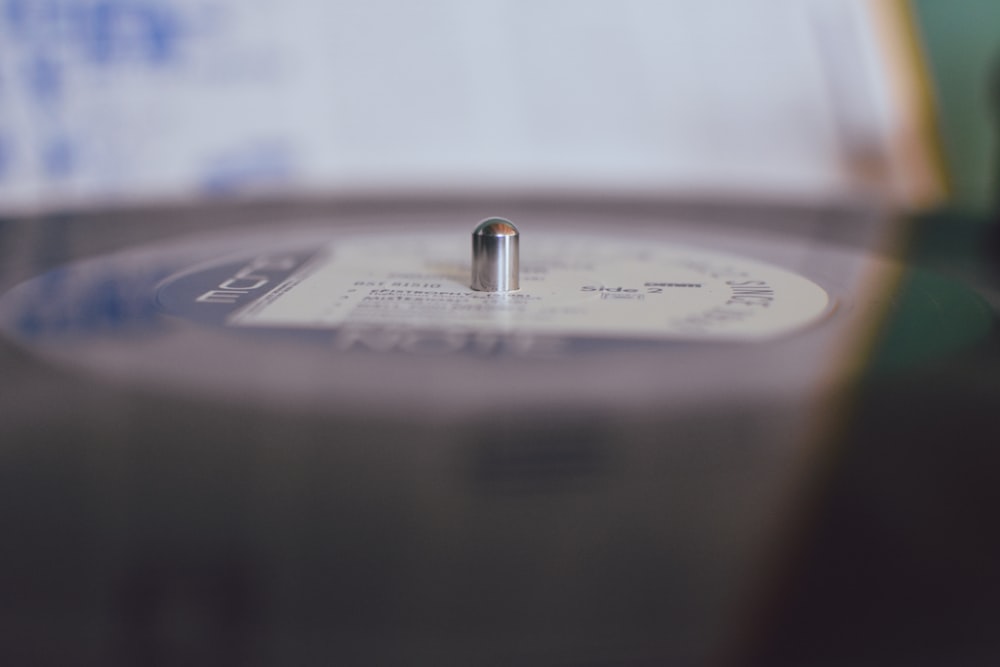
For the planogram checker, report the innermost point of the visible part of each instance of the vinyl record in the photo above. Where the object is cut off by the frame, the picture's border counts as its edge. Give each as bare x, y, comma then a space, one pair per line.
365, 310
309, 438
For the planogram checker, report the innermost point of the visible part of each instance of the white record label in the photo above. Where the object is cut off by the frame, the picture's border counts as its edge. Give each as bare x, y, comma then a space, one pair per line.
586, 286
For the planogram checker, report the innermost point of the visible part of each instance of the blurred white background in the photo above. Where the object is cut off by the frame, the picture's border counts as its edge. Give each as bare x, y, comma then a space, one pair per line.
110, 100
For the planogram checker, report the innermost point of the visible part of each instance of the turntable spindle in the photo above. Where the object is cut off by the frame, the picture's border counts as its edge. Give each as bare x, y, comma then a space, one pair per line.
495, 256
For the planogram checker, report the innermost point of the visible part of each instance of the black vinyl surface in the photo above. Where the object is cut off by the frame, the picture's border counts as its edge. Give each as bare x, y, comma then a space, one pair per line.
143, 524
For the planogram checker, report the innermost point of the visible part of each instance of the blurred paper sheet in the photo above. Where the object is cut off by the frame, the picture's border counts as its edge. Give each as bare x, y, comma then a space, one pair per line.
145, 100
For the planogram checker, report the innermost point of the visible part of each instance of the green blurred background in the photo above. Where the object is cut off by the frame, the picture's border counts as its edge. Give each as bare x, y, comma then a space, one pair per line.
961, 41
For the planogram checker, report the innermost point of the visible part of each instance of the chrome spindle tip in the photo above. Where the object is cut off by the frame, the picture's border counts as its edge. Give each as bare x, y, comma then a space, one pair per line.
495, 256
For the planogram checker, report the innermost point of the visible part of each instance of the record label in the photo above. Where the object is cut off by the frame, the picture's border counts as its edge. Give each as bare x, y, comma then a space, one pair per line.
585, 286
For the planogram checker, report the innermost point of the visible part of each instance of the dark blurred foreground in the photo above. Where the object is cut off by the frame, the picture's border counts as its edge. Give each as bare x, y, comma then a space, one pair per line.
144, 526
